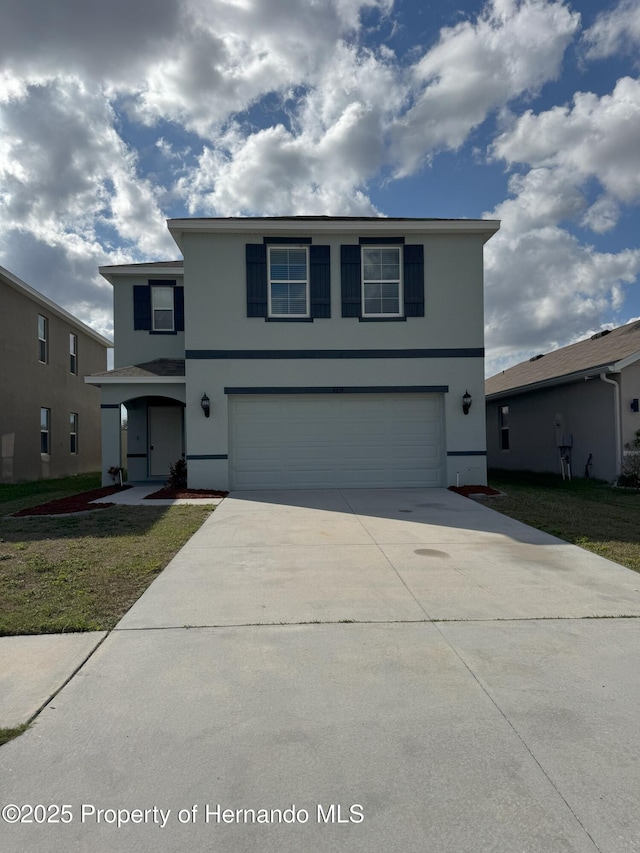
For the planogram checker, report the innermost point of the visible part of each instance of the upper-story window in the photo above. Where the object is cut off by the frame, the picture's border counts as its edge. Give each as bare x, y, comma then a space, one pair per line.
381, 281
43, 339
73, 354
288, 281
162, 309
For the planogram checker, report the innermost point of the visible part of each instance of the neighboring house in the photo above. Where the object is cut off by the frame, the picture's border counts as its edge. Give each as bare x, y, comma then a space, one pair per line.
583, 398
49, 418
303, 352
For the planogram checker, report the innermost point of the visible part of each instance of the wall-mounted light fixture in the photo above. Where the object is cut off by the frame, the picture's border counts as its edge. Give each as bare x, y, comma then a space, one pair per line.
635, 406
206, 405
466, 402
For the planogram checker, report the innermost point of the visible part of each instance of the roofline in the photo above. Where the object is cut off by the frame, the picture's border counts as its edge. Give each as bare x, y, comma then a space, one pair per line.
330, 225
47, 303
566, 379
143, 270
134, 380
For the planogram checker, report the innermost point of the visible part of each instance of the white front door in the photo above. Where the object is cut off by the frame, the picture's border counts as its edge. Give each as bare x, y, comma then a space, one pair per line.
165, 438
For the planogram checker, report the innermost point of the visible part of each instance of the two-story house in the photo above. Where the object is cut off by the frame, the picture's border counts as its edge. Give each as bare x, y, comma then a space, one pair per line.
50, 419
303, 352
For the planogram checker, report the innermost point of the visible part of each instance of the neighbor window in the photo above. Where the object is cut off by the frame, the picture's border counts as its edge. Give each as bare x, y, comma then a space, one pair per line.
73, 353
288, 281
504, 427
45, 426
43, 339
381, 281
162, 308
73, 433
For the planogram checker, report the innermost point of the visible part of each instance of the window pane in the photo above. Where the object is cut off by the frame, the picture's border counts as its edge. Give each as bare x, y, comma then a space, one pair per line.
288, 264
42, 327
390, 306
44, 418
163, 321
163, 297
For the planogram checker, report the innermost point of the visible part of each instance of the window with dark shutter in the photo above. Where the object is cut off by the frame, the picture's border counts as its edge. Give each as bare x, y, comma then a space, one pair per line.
142, 307
320, 281
413, 280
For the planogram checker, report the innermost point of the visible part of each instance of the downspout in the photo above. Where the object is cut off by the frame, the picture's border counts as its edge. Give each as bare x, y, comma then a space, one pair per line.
616, 418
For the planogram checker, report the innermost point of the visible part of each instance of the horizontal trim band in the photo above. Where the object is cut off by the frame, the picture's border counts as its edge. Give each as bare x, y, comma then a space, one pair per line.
355, 389
288, 319
381, 241
462, 352
136, 455
110, 405
382, 319
466, 452
207, 456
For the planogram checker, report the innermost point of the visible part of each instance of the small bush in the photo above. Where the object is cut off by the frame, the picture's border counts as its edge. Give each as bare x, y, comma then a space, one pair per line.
178, 475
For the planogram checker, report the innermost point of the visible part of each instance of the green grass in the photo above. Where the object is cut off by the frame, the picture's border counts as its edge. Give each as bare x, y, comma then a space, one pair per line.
8, 734
81, 572
588, 513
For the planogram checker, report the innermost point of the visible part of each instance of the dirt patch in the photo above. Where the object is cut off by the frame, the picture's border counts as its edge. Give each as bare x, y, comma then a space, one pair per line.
74, 503
467, 491
170, 494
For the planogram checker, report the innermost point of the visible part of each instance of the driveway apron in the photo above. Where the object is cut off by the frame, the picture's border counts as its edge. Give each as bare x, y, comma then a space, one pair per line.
349, 670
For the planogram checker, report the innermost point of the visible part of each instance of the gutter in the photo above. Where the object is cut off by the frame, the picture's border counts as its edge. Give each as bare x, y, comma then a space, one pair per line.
616, 420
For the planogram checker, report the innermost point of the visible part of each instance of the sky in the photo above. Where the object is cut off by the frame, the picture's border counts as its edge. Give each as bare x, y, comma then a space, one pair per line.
116, 116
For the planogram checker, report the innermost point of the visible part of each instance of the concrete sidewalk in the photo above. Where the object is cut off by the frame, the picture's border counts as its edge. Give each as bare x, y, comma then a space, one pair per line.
402, 670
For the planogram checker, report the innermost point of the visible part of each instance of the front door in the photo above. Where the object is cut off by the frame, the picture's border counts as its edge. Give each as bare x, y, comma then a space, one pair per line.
165, 438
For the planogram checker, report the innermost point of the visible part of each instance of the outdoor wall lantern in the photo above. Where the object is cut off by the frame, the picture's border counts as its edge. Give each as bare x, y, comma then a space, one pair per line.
466, 402
206, 405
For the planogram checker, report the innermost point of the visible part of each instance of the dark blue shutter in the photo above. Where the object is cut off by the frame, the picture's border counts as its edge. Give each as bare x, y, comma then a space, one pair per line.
320, 281
178, 307
142, 307
350, 280
256, 280
413, 281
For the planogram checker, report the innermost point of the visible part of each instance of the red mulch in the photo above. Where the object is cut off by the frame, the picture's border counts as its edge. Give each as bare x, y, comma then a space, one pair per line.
74, 503
473, 490
168, 493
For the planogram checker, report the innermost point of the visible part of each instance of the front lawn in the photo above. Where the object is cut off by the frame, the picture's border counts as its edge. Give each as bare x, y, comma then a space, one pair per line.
588, 513
81, 572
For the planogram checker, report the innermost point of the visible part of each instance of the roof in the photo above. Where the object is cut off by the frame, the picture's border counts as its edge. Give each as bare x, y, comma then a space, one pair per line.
158, 370
608, 351
272, 225
13, 281
162, 268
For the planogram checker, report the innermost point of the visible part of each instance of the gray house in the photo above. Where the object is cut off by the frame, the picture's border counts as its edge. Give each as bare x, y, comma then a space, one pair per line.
49, 418
303, 352
579, 402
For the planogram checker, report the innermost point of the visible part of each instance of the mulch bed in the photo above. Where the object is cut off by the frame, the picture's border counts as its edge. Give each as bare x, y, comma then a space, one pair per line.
168, 493
467, 491
74, 503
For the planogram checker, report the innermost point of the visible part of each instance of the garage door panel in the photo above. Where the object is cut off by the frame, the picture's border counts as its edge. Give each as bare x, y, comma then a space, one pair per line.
337, 440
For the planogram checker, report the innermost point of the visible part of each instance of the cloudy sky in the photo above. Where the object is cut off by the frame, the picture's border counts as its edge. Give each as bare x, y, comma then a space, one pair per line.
116, 116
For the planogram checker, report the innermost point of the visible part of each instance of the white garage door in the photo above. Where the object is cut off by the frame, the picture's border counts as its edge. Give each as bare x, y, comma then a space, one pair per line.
335, 440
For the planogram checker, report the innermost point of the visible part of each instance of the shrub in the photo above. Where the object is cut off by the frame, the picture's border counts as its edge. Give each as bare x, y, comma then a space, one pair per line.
178, 475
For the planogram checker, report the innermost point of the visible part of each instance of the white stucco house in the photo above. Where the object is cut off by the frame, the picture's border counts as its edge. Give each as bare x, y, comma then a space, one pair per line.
579, 402
303, 352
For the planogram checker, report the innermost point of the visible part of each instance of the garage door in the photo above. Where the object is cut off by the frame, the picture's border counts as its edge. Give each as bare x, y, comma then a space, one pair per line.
335, 440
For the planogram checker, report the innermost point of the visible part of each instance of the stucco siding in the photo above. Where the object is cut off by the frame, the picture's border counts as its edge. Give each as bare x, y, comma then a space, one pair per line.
587, 410
630, 389
26, 386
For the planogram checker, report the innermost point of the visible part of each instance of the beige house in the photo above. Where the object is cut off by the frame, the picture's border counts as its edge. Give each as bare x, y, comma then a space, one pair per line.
303, 352
49, 418
577, 405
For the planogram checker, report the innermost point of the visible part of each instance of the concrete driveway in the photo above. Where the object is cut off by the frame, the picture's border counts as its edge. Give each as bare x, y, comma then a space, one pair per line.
367, 671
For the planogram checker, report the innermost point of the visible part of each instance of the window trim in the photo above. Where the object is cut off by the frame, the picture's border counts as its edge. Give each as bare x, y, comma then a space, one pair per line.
364, 315
43, 342
45, 431
154, 288
73, 354
271, 315
73, 433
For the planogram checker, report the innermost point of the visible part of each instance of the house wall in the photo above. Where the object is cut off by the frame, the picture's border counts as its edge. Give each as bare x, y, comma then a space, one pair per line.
136, 346
629, 389
26, 385
587, 410
216, 319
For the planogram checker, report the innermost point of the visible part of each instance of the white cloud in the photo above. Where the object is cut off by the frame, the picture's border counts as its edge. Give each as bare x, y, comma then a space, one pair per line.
615, 31
475, 68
